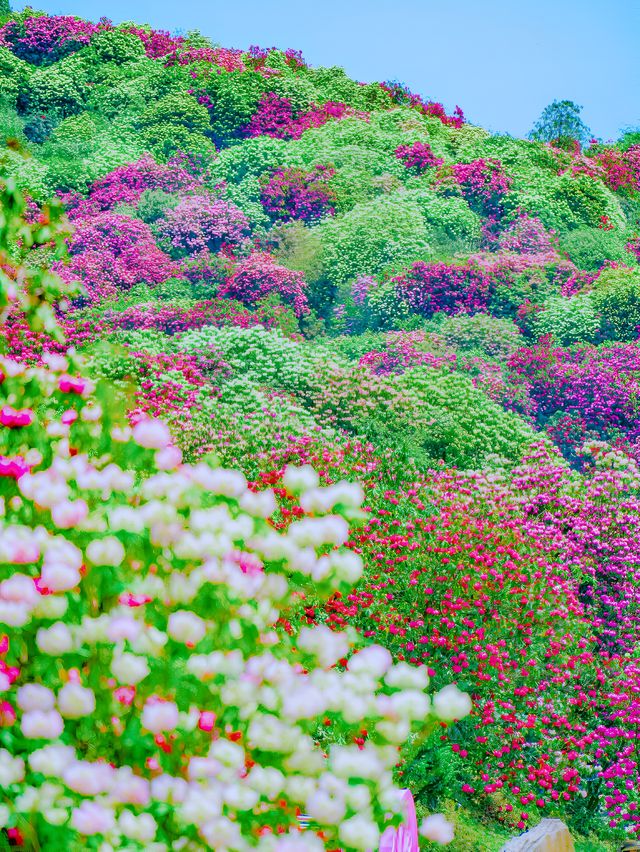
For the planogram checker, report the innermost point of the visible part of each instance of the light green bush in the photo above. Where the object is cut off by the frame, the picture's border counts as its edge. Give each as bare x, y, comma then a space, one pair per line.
616, 294
574, 320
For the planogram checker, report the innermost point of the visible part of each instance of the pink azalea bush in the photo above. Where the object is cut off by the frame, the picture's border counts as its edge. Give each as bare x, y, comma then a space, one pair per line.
428, 288
275, 117
292, 193
202, 223
258, 276
483, 182
112, 252
400, 94
419, 157
42, 39
127, 183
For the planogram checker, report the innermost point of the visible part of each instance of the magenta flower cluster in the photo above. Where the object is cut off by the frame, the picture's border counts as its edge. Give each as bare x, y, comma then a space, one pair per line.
400, 94
599, 387
483, 182
258, 276
111, 252
126, 184
294, 193
276, 117
202, 222
419, 157
432, 287
43, 39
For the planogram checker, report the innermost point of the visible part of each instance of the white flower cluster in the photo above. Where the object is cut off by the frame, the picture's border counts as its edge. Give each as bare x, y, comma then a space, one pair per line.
162, 684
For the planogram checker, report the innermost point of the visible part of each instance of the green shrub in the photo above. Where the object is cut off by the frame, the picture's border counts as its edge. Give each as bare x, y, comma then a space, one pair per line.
234, 97
453, 226
14, 76
116, 46
616, 294
249, 158
564, 202
59, 88
574, 320
180, 109
385, 234
154, 203
492, 336
590, 248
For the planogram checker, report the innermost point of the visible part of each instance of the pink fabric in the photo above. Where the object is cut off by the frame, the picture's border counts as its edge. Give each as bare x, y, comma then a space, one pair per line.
405, 837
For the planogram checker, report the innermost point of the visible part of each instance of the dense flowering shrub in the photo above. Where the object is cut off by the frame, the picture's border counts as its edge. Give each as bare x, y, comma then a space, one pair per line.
157, 43
633, 247
527, 235
44, 39
293, 193
483, 182
600, 384
230, 59
175, 318
201, 222
429, 288
621, 169
276, 117
418, 157
112, 252
259, 275
491, 545
127, 183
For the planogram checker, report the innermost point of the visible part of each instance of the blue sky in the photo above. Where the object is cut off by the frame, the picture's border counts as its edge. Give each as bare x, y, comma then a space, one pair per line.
502, 61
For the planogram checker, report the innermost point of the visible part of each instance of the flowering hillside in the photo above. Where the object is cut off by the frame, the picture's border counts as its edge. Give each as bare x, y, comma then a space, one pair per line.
319, 458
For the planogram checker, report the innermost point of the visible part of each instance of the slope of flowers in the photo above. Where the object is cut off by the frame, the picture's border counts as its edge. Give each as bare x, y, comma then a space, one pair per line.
289, 267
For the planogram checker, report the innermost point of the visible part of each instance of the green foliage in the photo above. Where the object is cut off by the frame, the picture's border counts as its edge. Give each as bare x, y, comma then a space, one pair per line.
116, 46
154, 203
235, 97
630, 137
179, 109
14, 75
453, 226
59, 88
249, 158
77, 155
574, 320
333, 84
483, 333
591, 248
616, 294
564, 202
129, 88
381, 235
11, 124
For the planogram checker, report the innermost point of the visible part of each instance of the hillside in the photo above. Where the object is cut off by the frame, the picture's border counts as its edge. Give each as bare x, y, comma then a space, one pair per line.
313, 282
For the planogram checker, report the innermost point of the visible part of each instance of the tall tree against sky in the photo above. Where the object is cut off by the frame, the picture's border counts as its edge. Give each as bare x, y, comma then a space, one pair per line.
560, 122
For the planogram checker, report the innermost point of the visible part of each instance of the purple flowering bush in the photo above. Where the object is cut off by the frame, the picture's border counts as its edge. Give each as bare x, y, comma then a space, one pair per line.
259, 276
201, 223
292, 193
